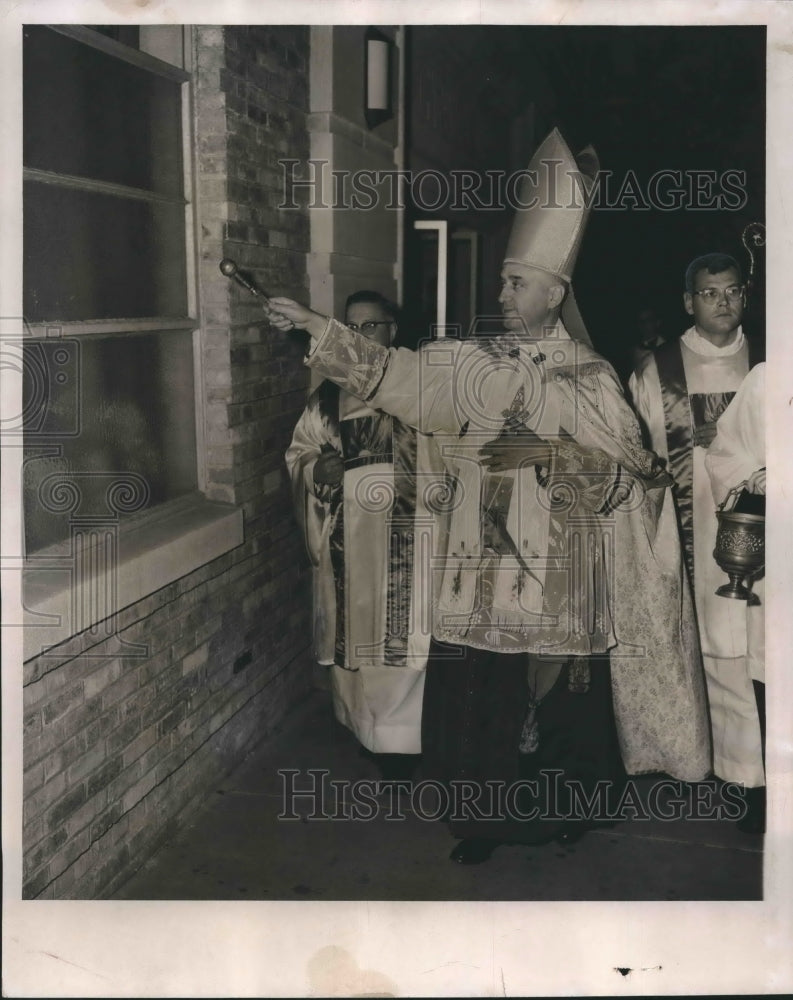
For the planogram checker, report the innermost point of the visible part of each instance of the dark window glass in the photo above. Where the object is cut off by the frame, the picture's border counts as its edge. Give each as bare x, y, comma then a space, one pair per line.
97, 256
91, 115
97, 409
102, 412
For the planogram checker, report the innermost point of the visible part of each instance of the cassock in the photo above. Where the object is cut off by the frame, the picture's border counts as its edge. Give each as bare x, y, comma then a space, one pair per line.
367, 542
567, 556
682, 385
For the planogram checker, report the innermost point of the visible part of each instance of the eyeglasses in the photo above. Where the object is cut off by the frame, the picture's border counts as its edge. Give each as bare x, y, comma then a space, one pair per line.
369, 326
733, 293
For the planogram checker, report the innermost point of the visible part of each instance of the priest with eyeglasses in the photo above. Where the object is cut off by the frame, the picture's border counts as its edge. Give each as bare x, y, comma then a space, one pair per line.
680, 391
353, 474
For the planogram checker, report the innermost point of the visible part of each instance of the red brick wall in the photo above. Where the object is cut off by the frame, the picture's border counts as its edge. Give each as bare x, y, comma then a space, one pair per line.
118, 747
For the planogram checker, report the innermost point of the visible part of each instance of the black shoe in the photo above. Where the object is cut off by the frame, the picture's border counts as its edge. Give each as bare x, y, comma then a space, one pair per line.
473, 851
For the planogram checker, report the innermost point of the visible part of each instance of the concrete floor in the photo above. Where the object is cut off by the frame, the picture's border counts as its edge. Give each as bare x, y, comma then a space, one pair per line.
236, 847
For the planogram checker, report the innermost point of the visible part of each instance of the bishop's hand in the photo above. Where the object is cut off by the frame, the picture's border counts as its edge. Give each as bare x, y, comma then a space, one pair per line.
514, 449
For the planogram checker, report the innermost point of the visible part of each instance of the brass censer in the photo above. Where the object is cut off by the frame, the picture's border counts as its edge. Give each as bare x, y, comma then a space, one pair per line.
740, 549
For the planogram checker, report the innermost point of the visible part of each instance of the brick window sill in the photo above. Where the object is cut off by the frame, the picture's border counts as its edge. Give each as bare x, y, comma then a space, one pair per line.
152, 551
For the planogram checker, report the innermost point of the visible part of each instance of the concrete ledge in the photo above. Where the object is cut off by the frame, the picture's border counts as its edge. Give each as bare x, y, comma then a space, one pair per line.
66, 592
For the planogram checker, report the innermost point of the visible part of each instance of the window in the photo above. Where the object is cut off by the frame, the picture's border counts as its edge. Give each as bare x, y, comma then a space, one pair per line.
120, 406
112, 418
108, 385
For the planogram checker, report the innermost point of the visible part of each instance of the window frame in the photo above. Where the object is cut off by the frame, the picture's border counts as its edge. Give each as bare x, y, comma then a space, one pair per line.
191, 528
191, 321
